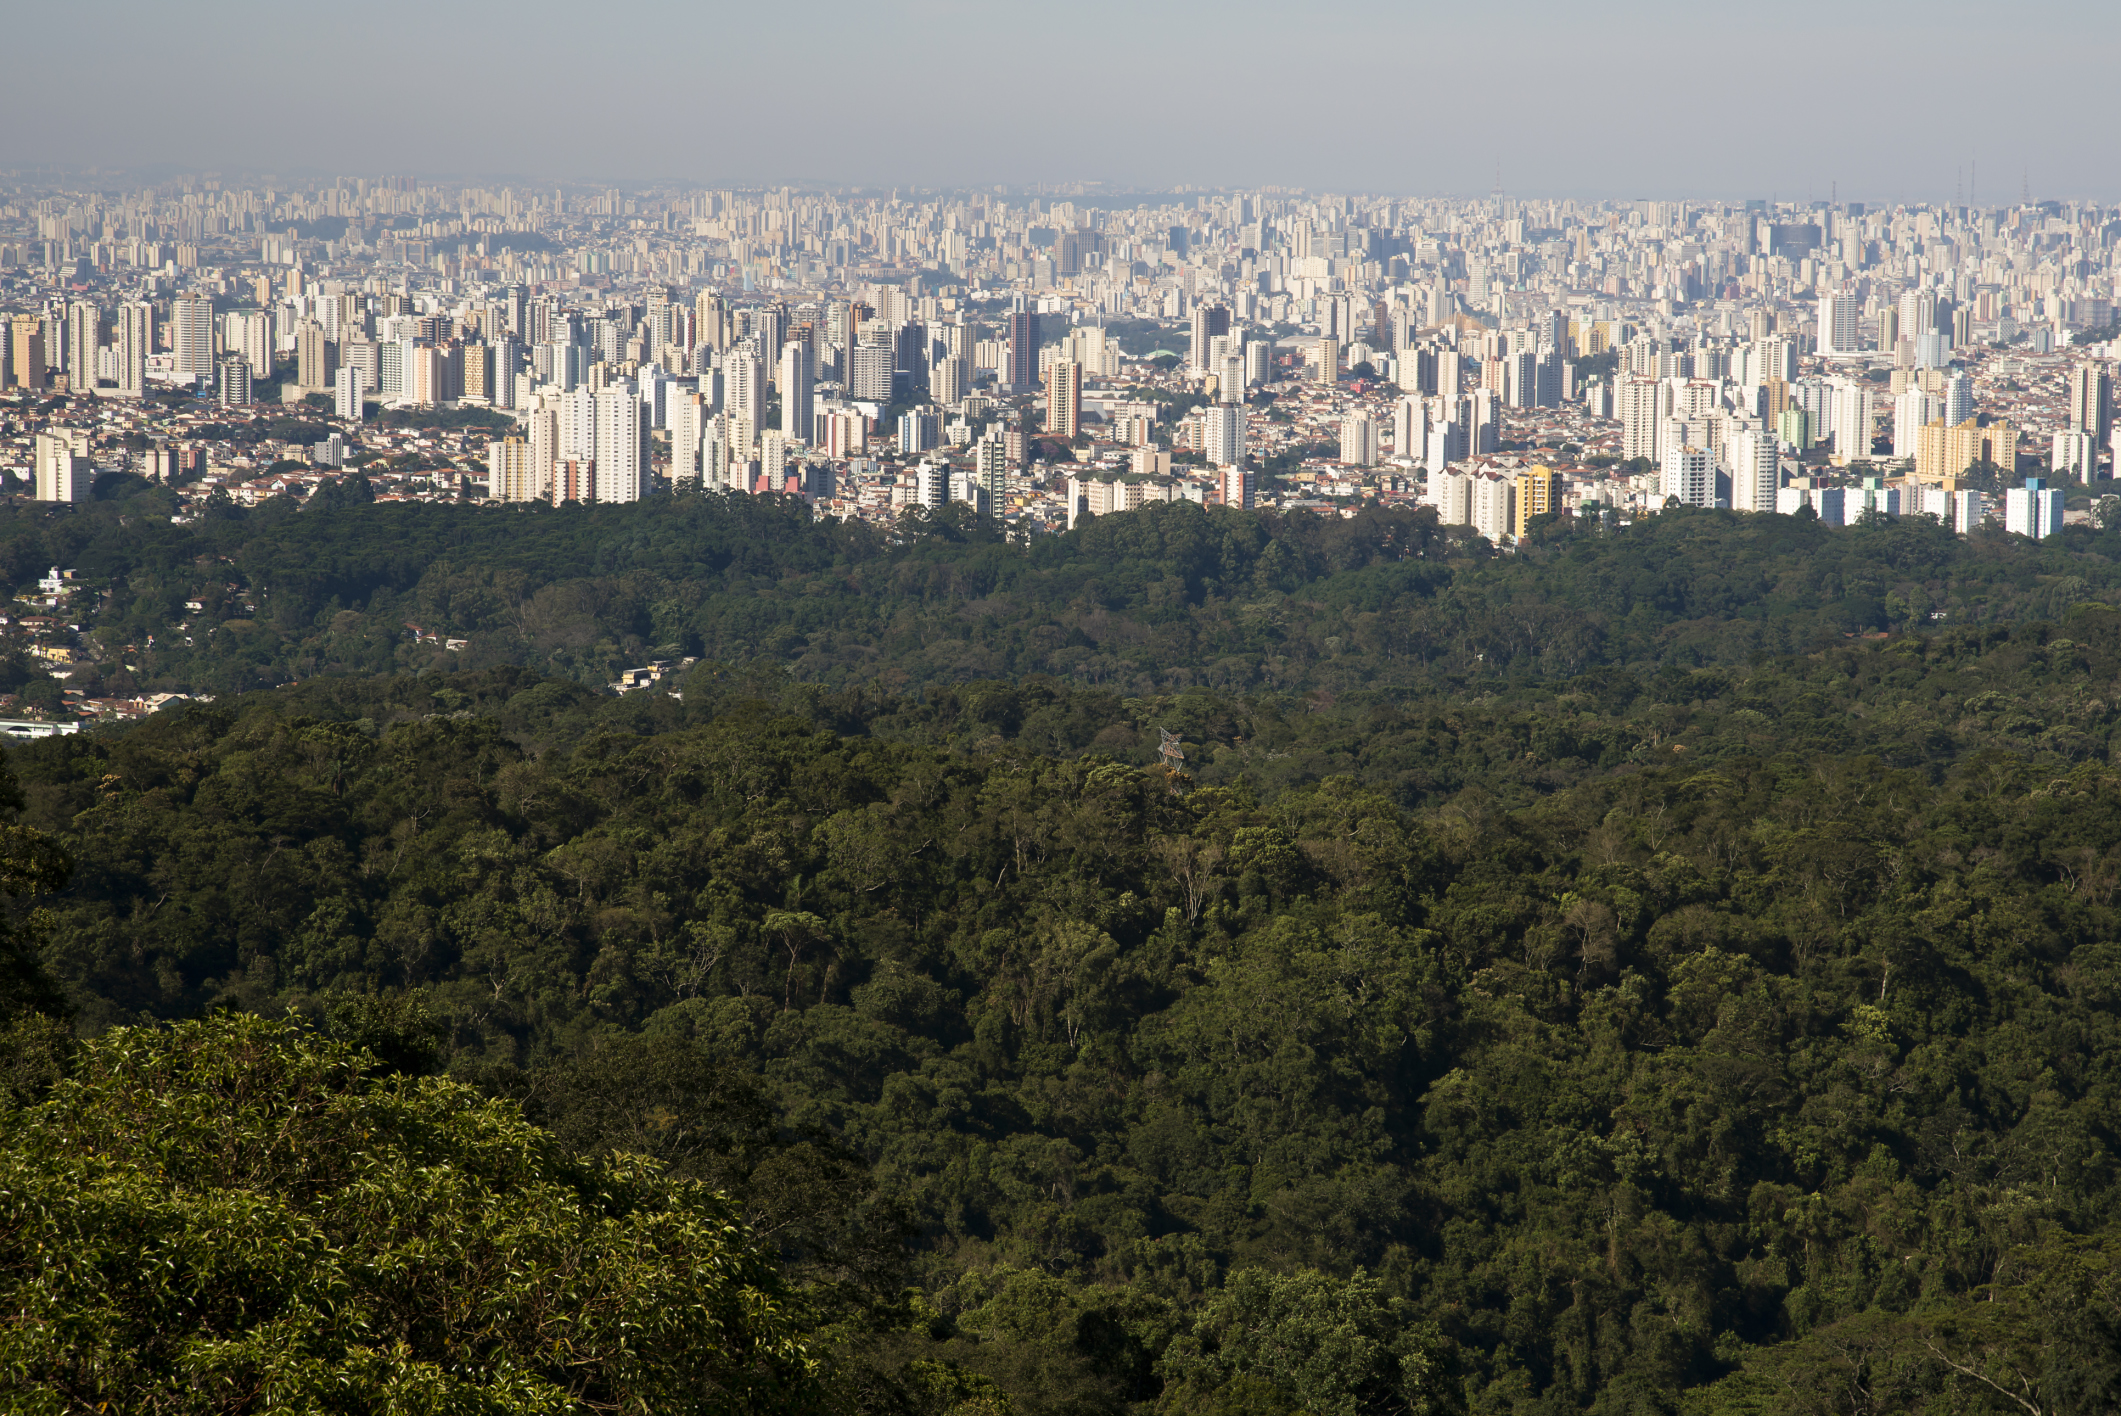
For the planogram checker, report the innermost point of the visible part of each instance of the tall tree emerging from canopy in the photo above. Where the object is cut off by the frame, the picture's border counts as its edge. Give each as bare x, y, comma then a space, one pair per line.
236, 1214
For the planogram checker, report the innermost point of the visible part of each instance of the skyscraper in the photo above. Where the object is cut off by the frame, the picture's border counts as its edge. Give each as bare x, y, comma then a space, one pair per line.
1410, 427
84, 337
1958, 399
1023, 351
1325, 360
990, 473
1358, 440
1208, 322
316, 358
1064, 399
2091, 400
869, 374
1641, 410
1223, 433
234, 378
622, 446
192, 337
135, 341
60, 470
1689, 474
510, 472
28, 352
347, 388
1756, 467
1837, 324
744, 384
798, 389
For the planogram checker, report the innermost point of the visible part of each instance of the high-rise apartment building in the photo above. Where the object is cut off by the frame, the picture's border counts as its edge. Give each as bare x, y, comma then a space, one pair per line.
1023, 351
744, 384
622, 446
232, 379
1325, 360
1410, 427
1838, 332
1641, 416
511, 472
84, 338
135, 341
2034, 509
60, 469
1358, 440
1223, 433
2075, 457
990, 473
798, 390
948, 379
27, 352
1944, 451
1208, 322
1958, 398
1538, 492
2091, 400
1913, 410
192, 339
316, 358
1064, 399
869, 374
1755, 462
1689, 474
347, 388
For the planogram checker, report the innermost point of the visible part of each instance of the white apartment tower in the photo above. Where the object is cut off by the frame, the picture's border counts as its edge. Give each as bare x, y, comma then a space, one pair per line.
744, 386
621, 446
1837, 324
347, 388
1410, 428
1755, 462
1358, 440
1689, 475
192, 337
84, 336
1641, 413
1223, 434
135, 341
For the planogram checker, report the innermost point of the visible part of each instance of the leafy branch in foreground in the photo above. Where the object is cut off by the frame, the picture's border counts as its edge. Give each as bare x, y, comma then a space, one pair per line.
236, 1214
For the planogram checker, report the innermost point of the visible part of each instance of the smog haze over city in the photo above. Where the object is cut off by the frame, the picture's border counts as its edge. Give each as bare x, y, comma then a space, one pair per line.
1893, 101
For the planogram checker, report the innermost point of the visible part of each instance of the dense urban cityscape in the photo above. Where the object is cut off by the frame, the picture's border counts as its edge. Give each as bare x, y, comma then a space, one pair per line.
1044, 355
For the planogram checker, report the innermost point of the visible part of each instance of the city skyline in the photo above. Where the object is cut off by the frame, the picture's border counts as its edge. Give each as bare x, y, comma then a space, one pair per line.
1885, 104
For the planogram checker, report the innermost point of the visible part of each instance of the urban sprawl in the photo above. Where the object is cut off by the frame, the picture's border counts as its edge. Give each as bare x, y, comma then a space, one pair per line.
1046, 355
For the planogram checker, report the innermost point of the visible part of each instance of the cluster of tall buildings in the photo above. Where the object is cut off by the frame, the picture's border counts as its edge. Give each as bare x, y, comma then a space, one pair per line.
772, 339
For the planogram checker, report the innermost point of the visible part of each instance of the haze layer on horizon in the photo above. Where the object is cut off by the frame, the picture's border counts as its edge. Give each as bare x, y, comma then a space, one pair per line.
1883, 102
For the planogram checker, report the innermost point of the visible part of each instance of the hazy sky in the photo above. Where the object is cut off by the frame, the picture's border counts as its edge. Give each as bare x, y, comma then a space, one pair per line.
1637, 98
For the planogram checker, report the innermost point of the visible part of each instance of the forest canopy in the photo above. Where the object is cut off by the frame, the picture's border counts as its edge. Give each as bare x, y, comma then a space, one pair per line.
1205, 963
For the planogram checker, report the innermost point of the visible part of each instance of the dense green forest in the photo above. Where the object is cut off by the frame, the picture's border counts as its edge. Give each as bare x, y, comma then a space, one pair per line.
1670, 969
1170, 598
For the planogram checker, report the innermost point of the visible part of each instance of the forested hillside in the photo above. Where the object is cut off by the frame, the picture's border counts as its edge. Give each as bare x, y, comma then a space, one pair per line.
1671, 969
1168, 598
